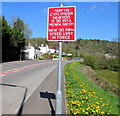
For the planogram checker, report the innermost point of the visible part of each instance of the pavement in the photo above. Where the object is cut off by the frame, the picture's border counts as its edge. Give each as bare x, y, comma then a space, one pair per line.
43, 98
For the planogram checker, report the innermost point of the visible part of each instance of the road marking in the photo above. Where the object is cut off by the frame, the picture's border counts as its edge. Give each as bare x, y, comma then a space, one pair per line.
21, 68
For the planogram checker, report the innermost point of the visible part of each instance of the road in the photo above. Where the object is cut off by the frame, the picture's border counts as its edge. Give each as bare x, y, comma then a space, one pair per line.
29, 74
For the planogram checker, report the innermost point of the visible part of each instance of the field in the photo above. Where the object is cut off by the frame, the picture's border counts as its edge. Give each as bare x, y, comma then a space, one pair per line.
111, 76
84, 97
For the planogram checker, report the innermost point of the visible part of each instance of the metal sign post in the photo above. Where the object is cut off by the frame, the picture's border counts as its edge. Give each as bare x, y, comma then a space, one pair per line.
61, 27
59, 91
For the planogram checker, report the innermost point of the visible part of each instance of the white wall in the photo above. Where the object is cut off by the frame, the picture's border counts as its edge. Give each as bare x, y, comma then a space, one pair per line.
31, 53
52, 50
44, 49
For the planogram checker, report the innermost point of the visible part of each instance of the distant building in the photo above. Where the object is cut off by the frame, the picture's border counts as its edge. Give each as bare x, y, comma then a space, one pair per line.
110, 56
32, 52
44, 49
37, 52
69, 54
52, 50
29, 52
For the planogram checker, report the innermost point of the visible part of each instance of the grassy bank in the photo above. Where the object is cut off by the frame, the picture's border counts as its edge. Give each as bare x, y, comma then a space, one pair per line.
111, 76
84, 97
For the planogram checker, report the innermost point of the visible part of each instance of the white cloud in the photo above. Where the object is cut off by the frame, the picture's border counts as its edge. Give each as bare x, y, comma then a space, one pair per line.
92, 8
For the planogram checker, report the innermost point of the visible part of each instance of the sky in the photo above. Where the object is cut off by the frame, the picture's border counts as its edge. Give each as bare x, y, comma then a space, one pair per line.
94, 20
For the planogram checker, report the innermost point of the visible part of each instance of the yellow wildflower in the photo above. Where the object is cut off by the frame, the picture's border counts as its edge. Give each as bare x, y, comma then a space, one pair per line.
75, 113
83, 110
98, 107
102, 112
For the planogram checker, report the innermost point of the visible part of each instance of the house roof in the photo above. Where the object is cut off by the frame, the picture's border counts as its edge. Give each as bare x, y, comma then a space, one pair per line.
51, 47
36, 47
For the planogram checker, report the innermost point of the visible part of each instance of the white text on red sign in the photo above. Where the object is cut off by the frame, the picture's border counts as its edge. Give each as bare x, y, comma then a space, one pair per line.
61, 24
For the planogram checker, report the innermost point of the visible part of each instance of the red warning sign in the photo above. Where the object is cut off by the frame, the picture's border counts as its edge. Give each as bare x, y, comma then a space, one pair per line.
61, 23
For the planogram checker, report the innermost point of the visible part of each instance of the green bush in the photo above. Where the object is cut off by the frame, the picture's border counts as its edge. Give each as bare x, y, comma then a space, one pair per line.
114, 64
100, 62
90, 61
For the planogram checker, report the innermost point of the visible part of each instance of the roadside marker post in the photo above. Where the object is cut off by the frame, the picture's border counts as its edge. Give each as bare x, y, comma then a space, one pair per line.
61, 27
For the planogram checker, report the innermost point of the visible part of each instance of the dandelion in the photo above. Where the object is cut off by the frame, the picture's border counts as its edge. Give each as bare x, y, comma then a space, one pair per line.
75, 113
83, 110
102, 112
94, 93
86, 113
98, 107
93, 111
97, 111
82, 101
97, 102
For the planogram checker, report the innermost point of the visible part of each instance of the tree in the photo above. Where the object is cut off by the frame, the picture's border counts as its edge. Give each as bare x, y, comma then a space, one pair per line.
6, 35
18, 39
13, 38
77, 48
27, 32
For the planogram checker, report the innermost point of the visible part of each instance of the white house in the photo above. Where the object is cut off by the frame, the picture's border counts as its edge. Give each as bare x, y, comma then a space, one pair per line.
32, 52
52, 50
29, 52
44, 49
110, 56
37, 52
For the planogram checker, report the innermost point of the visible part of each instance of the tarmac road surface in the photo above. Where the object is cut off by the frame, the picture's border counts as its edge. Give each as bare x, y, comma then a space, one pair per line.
37, 76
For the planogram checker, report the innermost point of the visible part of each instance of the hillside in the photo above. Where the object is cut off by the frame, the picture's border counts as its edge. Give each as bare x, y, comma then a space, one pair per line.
82, 46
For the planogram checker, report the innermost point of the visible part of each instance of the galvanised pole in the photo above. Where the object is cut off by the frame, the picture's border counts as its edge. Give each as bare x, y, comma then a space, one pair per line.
59, 91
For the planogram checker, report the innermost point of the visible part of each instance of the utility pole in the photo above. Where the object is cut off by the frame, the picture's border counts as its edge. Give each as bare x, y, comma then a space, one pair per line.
59, 87
79, 52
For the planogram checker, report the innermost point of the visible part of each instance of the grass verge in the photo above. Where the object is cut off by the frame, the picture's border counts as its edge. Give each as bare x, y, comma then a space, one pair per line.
84, 97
